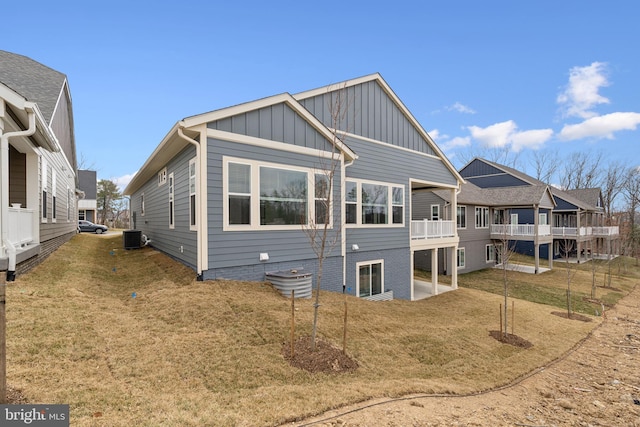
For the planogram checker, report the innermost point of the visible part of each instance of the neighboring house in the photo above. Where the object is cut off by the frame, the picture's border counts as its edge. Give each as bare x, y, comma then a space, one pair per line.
500, 203
489, 217
226, 192
37, 163
88, 204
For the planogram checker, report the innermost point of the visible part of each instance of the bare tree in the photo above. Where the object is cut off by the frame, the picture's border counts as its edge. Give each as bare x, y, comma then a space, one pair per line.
321, 237
546, 163
612, 186
505, 250
107, 196
631, 193
566, 249
582, 170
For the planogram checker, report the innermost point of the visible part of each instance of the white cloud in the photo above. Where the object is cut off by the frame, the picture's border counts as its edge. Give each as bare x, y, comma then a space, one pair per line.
496, 135
601, 126
123, 181
435, 134
506, 133
455, 143
581, 93
460, 108
532, 139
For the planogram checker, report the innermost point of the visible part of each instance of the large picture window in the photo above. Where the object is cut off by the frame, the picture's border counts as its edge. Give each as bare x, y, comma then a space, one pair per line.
373, 203
266, 195
283, 197
370, 278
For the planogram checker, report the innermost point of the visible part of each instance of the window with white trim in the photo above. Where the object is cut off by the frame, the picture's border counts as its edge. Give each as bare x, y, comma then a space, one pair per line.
490, 253
54, 199
171, 203
435, 212
262, 195
542, 219
461, 260
370, 278
192, 194
397, 204
351, 202
373, 203
44, 183
322, 198
162, 177
142, 204
461, 217
482, 217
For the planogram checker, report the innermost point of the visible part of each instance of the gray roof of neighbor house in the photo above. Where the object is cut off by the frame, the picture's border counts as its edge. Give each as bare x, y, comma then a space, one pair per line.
32, 80
471, 194
582, 198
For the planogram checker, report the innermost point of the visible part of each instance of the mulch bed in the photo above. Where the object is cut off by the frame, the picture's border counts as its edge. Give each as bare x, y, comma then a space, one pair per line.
325, 358
574, 316
511, 339
15, 397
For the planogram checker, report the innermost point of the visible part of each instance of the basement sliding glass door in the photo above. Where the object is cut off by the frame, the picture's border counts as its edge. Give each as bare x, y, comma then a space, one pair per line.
370, 278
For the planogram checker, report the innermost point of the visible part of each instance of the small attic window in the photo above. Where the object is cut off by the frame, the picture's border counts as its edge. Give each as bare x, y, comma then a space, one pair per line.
162, 177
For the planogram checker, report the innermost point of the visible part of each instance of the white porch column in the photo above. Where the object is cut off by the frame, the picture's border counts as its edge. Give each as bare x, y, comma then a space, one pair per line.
434, 271
454, 266
536, 232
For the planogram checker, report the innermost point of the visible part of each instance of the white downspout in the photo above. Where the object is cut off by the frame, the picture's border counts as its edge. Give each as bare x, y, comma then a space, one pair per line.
9, 248
199, 215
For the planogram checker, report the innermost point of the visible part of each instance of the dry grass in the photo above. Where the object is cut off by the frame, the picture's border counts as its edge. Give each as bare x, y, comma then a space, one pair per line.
187, 353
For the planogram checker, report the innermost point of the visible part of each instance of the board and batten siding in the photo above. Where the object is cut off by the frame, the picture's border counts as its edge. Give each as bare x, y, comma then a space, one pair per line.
179, 242
277, 122
243, 248
371, 113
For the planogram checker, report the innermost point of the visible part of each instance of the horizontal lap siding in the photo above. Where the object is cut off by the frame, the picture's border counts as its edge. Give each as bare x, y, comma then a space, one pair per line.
66, 221
421, 205
155, 223
242, 248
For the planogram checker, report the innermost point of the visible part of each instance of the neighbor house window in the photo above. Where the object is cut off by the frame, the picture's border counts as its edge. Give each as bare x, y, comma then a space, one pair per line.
482, 217
192, 194
82, 215
461, 260
435, 212
490, 253
54, 199
44, 182
259, 194
370, 278
461, 217
542, 219
171, 203
162, 177
373, 203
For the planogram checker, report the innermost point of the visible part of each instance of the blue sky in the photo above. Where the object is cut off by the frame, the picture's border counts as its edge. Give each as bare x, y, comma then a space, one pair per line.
544, 76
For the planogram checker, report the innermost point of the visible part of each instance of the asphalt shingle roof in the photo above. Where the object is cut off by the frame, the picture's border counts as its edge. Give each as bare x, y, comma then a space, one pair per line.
32, 80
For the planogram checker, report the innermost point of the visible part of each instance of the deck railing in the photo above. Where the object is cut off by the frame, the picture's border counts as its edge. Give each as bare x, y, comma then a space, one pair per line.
520, 230
20, 225
606, 231
429, 229
571, 231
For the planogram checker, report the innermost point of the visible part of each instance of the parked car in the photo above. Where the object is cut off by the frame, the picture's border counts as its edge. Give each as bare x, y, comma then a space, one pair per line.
90, 227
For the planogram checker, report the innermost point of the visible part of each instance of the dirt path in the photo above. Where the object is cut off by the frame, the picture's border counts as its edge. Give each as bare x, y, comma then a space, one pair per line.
597, 384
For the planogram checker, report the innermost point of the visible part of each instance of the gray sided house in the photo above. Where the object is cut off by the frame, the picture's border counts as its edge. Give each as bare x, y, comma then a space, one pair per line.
234, 193
487, 218
573, 224
37, 163
88, 203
